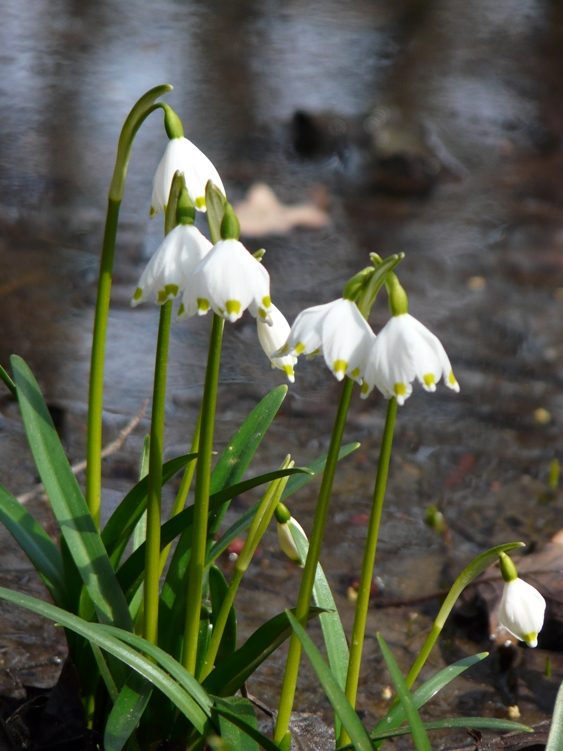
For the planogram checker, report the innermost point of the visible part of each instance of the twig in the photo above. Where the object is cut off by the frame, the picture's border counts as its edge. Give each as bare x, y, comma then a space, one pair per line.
111, 448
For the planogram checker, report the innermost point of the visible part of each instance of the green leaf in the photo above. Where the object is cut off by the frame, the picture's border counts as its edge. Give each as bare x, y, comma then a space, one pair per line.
168, 663
228, 677
68, 503
8, 382
334, 693
217, 590
97, 634
293, 484
249, 730
122, 522
236, 734
131, 572
484, 723
36, 544
113, 691
555, 739
126, 712
236, 457
430, 688
333, 633
417, 729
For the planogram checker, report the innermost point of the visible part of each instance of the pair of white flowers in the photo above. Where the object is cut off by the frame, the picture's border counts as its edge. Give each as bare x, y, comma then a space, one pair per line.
403, 351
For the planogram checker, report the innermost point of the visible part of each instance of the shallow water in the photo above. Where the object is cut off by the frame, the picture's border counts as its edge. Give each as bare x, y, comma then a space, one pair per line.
436, 132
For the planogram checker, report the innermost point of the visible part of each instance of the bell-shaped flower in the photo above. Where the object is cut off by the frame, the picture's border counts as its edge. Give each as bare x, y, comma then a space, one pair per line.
171, 267
229, 280
338, 331
403, 351
183, 156
273, 337
522, 608
287, 543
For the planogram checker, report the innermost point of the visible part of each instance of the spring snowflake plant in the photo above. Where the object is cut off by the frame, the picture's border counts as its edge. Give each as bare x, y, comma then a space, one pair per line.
158, 654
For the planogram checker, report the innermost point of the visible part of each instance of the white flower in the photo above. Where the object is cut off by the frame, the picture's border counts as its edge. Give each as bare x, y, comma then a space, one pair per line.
405, 350
338, 331
169, 270
522, 610
229, 280
272, 337
183, 156
287, 543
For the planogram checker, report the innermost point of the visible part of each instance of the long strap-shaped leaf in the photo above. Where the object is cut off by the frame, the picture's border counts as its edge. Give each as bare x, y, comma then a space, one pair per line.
68, 503
122, 522
132, 568
229, 675
36, 544
417, 729
336, 696
555, 740
97, 634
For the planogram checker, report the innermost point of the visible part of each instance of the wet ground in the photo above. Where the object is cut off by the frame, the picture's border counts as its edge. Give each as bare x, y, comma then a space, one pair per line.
430, 128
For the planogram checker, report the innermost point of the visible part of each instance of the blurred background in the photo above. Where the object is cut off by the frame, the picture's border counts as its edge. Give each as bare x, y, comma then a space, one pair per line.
429, 127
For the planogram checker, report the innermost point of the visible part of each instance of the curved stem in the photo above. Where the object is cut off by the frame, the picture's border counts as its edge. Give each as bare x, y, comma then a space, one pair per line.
366, 577
138, 114
308, 579
154, 490
201, 500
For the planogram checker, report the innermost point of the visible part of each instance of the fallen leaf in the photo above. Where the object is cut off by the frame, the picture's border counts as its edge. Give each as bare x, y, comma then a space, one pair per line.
261, 213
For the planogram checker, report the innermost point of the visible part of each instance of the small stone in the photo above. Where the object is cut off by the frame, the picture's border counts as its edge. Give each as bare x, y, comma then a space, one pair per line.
513, 712
476, 283
386, 693
542, 416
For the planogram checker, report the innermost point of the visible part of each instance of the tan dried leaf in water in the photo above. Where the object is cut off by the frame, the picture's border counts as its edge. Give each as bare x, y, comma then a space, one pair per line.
261, 213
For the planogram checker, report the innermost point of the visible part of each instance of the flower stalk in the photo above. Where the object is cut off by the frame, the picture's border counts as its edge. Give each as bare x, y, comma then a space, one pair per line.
201, 500
156, 446
308, 579
366, 577
140, 111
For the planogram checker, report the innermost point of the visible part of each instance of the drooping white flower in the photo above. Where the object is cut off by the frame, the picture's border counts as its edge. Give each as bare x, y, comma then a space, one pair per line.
273, 337
169, 270
338, 331
522, 610
228, 280
403, 351
183, 156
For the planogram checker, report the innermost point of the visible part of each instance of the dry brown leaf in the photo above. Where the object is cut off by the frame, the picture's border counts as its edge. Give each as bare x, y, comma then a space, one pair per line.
261, 213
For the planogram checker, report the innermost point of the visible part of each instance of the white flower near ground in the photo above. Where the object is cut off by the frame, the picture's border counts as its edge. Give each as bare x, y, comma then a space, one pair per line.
403, 351
169, 270
273, 337
183, 156
228, 281
522, 610
338, 331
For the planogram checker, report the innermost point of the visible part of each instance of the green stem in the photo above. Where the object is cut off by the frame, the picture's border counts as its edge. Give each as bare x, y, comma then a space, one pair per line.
308, 579
154, 490
201, 500
220, 624
366, 577
138, 113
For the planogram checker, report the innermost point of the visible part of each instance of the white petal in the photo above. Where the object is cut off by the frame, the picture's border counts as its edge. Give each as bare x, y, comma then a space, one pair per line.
306, 333
522, 610
346, 340
183, 156
231, 280
168, 271
287, 543
273, 337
